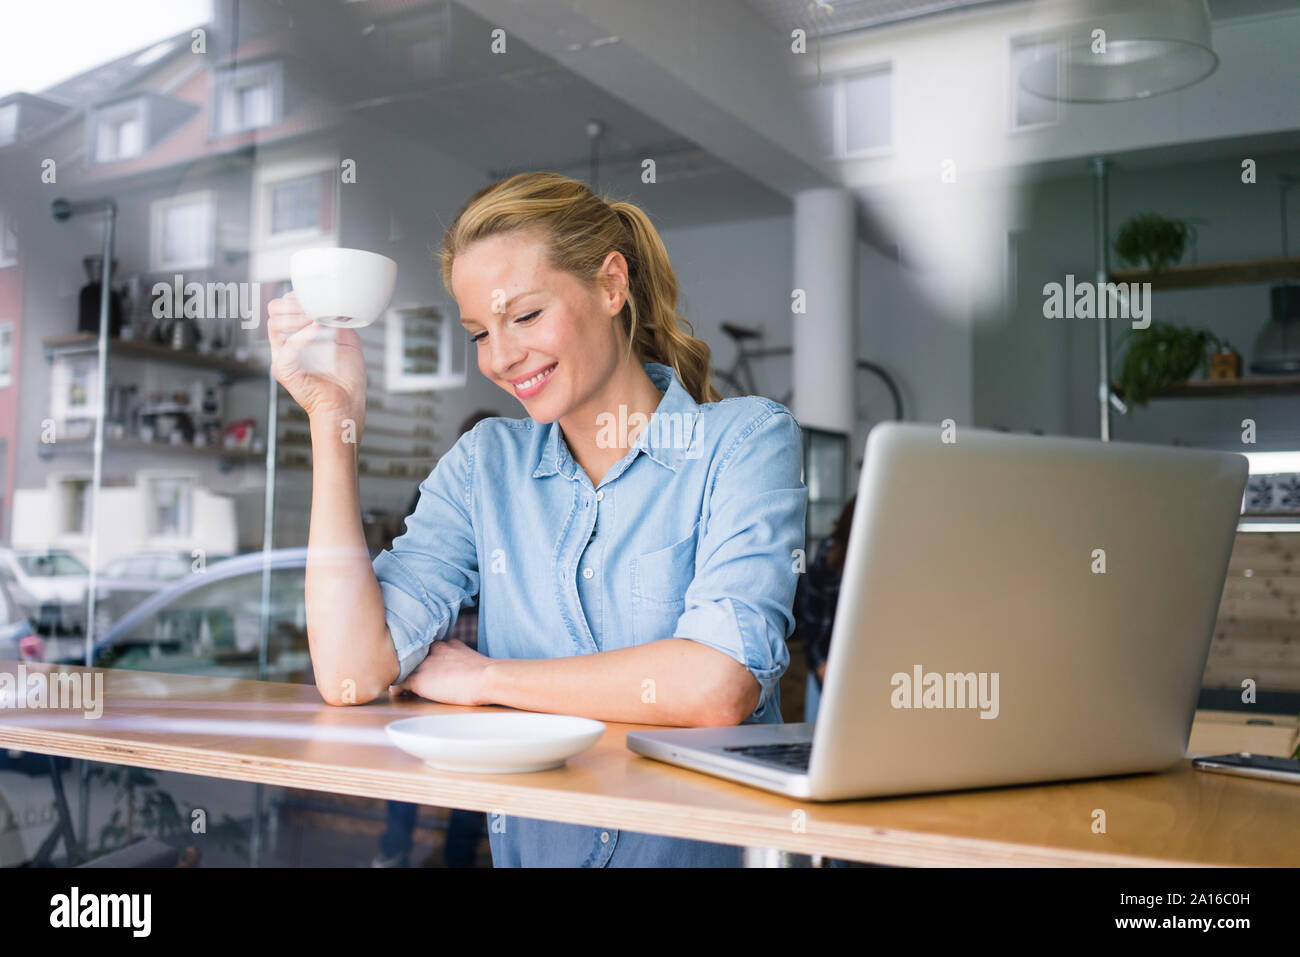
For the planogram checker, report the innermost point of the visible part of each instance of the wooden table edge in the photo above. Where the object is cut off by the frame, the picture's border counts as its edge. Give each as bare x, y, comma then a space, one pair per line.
884, 846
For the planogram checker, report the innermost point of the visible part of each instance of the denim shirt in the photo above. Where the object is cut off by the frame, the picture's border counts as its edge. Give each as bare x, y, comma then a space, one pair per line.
692, 534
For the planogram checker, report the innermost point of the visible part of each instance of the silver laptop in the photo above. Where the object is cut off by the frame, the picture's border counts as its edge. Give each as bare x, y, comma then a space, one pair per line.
1013, 609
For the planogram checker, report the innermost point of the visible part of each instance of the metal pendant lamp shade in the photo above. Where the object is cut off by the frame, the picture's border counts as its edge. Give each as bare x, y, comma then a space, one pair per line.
1277, 347
1144, 47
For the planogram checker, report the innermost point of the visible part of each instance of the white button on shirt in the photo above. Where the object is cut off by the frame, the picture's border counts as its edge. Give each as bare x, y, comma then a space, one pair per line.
587, 573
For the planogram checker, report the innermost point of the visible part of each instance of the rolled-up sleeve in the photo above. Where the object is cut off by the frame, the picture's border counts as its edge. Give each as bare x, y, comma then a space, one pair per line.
431, 571
741, 598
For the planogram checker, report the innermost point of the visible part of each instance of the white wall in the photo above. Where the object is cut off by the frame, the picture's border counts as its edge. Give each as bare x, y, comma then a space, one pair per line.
738, 272
122, 523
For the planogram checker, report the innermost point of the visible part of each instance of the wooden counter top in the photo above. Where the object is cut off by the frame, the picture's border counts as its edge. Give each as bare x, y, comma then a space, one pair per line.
284, 734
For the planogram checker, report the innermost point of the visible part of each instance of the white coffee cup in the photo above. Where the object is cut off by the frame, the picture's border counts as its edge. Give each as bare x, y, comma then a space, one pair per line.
342, 287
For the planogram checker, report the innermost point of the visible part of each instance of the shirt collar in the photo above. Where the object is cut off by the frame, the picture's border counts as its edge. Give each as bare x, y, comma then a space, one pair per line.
668, 438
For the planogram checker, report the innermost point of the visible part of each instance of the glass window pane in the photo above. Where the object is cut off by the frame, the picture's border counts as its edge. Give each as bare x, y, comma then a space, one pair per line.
822, 97
216, 629
254, 105
868, 111
229, 110
167, 567
105, 142
185, 233
138, 568
81, 500
1030, 109
296, 204
130, 137
8, 240
421, 342
8, 122
51, 564
171, 506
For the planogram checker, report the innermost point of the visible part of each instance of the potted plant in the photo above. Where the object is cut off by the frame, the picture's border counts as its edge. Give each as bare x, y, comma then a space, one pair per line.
1162, 355
1151, 240
149, 810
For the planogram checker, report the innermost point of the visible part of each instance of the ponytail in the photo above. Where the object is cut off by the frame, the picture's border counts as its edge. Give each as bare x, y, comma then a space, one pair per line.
653, 324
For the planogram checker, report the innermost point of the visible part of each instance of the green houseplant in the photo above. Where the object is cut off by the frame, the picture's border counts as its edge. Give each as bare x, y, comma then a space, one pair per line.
1163, 355
1153, 241
149, 810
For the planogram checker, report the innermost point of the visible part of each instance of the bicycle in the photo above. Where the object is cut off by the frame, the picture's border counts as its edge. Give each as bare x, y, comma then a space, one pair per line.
739, 379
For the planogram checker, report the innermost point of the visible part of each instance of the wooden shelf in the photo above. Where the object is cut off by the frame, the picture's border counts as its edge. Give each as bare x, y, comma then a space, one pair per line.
398, 433
1219, 388
372, 473
1200, 275
363, 450
129, 444
290, 411
300, 421
229, 368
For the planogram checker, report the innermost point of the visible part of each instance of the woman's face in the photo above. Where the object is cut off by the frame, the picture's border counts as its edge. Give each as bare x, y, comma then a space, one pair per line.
541, 334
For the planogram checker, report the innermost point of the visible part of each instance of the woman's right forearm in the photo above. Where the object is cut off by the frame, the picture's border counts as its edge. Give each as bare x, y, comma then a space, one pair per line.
352, 654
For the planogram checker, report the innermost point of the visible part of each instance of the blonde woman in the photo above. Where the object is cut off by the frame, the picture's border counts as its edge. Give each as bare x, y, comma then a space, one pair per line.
630, 545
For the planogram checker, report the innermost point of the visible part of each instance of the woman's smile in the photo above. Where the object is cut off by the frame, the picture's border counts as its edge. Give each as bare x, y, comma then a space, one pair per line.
530, 385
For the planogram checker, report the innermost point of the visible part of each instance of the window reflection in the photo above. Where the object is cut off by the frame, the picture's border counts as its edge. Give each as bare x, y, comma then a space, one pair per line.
226, 147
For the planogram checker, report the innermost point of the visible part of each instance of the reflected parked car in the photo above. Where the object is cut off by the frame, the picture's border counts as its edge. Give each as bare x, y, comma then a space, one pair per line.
210, 622
18, 639
125, 582
53, 581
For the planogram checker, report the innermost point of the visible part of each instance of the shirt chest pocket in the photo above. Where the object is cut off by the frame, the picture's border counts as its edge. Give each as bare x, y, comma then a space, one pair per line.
659, 582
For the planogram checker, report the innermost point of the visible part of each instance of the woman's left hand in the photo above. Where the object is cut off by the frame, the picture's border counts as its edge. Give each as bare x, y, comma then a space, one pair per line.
453, 673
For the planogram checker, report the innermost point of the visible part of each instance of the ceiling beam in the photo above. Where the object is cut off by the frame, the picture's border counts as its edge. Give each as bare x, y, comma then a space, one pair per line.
710, 70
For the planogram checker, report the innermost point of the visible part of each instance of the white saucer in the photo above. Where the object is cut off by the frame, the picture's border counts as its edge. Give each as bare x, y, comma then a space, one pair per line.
496, 742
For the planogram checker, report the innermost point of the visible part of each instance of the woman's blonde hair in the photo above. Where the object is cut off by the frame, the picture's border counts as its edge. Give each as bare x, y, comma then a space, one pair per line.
580, 229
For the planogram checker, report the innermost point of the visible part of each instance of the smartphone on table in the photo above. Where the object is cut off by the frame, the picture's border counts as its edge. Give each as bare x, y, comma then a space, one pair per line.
1249, 765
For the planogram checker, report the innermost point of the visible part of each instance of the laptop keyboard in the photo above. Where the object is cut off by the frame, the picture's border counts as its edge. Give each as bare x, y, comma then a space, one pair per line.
794, 756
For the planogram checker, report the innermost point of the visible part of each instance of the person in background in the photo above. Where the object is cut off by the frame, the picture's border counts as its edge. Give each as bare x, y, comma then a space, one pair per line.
814, 604
464, 828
